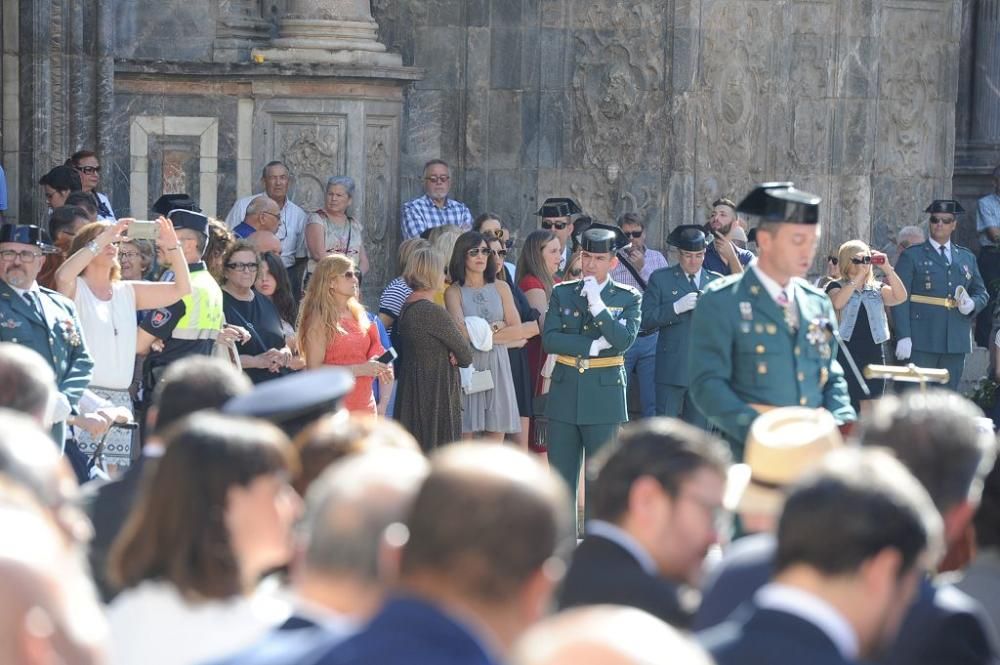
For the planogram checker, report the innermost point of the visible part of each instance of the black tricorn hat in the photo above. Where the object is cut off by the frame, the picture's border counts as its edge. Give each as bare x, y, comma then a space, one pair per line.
169, 202
602, 238
950, 206
558, 207
185, 219
294, 401
781, 202
28, 234
688, 237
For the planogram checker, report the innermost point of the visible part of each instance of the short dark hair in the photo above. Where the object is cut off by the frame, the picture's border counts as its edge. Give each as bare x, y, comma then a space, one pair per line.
934, 435
465, 242
274, 162
856, 504
83, 200
176, 532
64, 217
435, 162
662, 448
74, 159
631, 218
987, 520
724, 202
485, 520
195, 383
62, 179
478, 222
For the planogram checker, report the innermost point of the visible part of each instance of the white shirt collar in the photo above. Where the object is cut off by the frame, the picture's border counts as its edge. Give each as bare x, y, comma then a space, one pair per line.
815, 610
697, 276
937, 246
33, 289
772, 287
624, 539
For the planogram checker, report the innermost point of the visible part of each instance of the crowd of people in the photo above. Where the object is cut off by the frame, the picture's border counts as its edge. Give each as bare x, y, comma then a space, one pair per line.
272, 471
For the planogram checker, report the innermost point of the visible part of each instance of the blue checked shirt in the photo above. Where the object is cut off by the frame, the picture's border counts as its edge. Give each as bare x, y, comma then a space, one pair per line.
988, 217
653, 262
421, 214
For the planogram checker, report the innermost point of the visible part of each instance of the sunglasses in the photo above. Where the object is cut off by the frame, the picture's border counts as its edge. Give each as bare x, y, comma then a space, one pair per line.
833, 259
438, 179
353, 274
89, 170
558, 226
242, 267
498, 233
942, 220
498, 252
477, 251
861, 260
634, 234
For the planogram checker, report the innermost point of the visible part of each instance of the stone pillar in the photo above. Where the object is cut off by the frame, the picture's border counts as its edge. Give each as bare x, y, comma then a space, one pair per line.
330, 31
239, 29
986, 74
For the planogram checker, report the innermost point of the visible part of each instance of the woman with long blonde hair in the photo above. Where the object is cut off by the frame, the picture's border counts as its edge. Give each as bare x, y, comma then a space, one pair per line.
335, 330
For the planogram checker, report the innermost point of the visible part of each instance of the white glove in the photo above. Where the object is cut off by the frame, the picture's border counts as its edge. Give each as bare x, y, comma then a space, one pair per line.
593, 293
599, 345
904, 348
686, 303
965, 303
60, 408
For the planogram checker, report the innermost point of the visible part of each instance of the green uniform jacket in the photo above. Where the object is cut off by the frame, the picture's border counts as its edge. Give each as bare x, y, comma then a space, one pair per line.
595, 396
743, 353
667, 286
924, 272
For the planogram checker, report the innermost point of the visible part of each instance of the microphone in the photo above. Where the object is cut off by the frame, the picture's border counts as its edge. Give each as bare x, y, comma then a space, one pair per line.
829, 327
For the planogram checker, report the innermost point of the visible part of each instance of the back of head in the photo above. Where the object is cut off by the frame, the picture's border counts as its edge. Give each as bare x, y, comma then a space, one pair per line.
193, 384
62, 178
63, 218
349, 507
485, 521
934, 435
666, 449
83, 200
987, 519
606, 635
29, 458
265, 241
856, 504
177, 531
27, 383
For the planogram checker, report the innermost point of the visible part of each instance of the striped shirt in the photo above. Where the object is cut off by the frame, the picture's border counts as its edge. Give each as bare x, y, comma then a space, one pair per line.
654, 261
421, 214
394, 297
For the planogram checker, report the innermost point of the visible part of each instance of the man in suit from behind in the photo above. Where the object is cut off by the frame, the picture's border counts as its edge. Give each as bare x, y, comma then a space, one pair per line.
188, 385
477, 563
657, 493
854, 539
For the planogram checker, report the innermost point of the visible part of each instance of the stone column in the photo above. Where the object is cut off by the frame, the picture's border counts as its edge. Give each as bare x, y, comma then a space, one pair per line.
986, 74
239, 29
331, 31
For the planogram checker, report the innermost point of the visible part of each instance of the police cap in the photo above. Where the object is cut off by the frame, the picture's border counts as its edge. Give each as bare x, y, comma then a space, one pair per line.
950, 206
169, 202
781, 202
185, 219
558, 207
28, 234
603, 239
688, 237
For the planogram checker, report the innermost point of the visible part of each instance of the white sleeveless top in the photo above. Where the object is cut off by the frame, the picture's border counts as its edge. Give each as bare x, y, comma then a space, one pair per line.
109, 330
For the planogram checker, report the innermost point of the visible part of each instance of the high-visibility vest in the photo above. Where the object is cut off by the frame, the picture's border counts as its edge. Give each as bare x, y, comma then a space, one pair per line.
203, 309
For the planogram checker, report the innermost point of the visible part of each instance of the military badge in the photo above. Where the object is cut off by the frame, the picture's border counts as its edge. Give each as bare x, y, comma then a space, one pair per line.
70, 334
819, 334
160, 318
10, 324
968, 273
746, 311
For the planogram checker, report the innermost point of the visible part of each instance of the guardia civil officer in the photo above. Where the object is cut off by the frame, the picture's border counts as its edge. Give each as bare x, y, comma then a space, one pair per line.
191, 325
590, 325
668, 304
42, 319
934, 325
763, 338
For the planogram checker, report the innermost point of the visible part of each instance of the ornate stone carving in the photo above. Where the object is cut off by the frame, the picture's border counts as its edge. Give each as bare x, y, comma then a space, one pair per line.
311, 158
379, 240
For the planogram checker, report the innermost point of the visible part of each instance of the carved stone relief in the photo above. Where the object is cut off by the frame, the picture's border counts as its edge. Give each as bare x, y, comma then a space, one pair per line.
313, 152
380, 241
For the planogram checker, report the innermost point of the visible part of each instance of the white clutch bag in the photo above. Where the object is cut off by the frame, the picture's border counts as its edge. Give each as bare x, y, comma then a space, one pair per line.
481, 380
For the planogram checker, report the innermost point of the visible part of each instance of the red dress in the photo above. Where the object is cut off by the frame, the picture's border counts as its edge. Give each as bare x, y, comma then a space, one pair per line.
536, 357
355, 348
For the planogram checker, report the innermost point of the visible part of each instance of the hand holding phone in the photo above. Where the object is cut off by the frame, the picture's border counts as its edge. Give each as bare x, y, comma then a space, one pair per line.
388, 356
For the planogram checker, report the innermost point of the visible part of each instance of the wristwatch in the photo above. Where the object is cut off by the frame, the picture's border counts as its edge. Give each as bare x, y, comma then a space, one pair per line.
93, 247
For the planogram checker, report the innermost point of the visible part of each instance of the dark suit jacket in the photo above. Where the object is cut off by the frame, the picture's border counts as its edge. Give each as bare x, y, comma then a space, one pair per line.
286, 647
746, 567
770, 637
108, 505
603, 572
409, 631
943, 627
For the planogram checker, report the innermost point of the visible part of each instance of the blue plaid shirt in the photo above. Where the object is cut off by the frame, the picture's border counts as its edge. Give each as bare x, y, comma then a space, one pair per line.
988, 217
421, 214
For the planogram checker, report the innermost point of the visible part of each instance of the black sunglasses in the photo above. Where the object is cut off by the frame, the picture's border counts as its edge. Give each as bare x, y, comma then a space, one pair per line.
634, 234
833, 259
558, 226
942, 220
476, 251
353, 274
861, 260
498, 252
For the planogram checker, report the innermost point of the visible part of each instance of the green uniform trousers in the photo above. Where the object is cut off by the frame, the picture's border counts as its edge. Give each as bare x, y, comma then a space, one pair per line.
567, 443
953, 362
676, 402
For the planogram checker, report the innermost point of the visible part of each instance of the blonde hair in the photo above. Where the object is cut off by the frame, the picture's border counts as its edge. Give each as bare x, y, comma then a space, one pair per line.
443, 239
319, 307
848, 250
406, 249
90, 232
424, 270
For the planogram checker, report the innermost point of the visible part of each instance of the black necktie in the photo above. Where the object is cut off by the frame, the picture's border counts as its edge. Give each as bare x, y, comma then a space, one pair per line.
32, 303
694, 285
944, 254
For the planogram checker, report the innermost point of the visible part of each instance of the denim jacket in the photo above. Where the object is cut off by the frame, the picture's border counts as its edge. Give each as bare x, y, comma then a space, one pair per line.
871, 296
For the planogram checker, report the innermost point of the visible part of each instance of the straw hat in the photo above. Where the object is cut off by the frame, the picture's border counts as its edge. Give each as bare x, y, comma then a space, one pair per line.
783, 443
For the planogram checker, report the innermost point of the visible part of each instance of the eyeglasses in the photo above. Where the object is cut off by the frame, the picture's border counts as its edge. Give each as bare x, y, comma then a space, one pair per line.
438, 179
27, 256
558, 226
353, 274
498, 252
942, 220
268, 212
242, 267
89, 170
861, 260
128, 255
498, 233
477, 251
833, 259
634, 234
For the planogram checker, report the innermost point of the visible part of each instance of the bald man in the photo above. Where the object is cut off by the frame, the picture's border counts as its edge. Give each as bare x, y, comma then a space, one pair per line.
265, 241
606, 635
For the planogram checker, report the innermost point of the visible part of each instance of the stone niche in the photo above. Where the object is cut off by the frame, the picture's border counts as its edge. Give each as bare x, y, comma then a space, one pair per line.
208, 129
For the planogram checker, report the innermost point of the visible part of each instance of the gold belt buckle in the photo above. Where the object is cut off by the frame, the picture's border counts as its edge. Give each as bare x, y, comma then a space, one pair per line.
950, 303
583, 364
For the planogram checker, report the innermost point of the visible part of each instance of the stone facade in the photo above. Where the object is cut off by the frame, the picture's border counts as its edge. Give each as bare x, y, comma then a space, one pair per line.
651, 106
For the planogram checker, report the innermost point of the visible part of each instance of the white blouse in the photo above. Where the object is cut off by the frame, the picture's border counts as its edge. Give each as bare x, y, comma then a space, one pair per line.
109, 330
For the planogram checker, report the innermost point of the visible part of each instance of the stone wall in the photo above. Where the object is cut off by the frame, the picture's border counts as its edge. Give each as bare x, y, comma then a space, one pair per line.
659, 106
